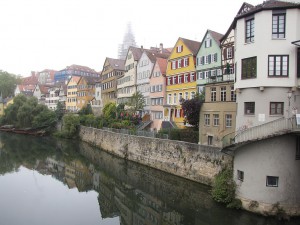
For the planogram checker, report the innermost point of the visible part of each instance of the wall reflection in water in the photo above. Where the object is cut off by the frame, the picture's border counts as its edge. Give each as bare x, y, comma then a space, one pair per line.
137, 194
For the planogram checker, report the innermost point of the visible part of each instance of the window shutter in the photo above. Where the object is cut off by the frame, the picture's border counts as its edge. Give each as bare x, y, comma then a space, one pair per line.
182, 62
176, 64
225, 53
232, 51
210, 42
181, 113
188, 61
216, 57
181, 47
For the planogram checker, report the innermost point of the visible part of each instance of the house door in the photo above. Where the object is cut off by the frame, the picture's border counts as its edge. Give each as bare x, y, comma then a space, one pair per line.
171, 114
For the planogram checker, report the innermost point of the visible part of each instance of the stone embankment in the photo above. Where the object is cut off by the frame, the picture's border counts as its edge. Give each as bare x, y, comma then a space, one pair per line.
192, 161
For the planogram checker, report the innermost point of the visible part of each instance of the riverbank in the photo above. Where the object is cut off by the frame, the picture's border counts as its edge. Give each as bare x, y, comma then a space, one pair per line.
191, 161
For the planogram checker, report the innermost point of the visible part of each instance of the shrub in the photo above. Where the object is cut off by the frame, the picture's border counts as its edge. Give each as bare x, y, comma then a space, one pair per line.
223, 190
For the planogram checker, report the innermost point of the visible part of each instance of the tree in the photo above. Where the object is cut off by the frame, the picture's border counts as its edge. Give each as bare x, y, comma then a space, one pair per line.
191, 109
110, 110
59, 110
8, 83
87, 110
137, 102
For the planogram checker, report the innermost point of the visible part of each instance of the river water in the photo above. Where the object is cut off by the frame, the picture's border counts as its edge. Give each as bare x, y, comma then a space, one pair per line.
48, 181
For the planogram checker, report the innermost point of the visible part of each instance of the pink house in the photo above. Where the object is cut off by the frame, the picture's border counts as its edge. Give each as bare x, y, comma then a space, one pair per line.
158, 93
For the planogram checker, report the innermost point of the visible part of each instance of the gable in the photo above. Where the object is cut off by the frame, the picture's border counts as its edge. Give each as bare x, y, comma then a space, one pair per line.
180, 49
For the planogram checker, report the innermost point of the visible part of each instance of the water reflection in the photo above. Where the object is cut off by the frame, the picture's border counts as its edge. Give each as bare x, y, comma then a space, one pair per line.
133, 193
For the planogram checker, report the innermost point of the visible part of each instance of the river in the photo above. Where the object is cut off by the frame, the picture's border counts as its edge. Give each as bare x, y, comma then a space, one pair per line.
48, 181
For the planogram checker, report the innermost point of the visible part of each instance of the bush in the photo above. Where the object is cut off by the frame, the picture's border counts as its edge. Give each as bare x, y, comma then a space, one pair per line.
223, 190
235, 204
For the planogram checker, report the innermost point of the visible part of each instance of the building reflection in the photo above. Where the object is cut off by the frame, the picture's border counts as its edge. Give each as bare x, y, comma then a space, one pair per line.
138, 195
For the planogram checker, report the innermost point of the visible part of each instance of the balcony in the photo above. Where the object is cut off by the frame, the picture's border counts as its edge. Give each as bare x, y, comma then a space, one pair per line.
222, 78
267, 130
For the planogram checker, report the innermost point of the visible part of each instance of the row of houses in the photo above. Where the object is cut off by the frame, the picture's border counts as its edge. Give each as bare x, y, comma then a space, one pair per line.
251, 80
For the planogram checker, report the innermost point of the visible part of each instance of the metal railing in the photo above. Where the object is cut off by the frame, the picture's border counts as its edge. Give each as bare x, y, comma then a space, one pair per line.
276, 127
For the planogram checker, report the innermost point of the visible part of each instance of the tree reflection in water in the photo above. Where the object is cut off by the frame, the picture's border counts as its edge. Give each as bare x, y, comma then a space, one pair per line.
135, 193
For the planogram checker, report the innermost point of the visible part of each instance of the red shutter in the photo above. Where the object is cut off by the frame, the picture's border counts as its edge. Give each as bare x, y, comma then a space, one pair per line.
175, 112
181, 113
182, 62
166, 81
188, 78
225, 53
176, 65
188, 61
182, 48
177, 49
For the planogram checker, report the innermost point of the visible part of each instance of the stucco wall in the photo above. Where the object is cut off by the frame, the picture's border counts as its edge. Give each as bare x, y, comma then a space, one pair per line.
271, 157
191, 161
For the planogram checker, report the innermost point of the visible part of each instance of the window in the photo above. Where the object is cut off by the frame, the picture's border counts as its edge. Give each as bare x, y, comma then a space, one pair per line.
173, 65
223, 94
179, 63
175, 98
180, 96
169, 81
186, 95
276, 108
213, 94
249, 68
249, 108
178, 113
278, 25
179, 48
229, 53
228, 120
240, 175
185, 62
209, 140
208, 42
169, 98
206, 119
278, 65
200, 76
192, 94
232, 94
192, 77
250, 30
186, 78
298, 148
216, 119
272, 181
174, 79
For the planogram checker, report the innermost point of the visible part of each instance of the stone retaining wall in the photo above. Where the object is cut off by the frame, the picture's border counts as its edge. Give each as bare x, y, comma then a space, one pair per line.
192, 161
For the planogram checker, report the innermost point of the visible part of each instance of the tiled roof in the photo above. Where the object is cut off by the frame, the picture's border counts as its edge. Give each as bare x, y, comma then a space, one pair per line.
162, 65
153, 55
136, 52
91, 80
248, 9
192, 45
44, 89
116, 64
215, 35
29, 80
80, 68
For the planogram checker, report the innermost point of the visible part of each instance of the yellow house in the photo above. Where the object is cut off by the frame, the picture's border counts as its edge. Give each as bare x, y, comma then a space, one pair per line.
180, 79
71, 103
85, 91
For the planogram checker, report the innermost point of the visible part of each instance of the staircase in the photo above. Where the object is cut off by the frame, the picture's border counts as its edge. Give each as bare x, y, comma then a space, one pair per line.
267, 130
144, 124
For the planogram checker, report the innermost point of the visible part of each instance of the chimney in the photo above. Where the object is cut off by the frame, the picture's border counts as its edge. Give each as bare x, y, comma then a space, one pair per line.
161, 47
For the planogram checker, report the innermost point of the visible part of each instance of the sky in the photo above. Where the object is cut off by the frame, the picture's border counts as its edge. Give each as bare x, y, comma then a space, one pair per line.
52, 34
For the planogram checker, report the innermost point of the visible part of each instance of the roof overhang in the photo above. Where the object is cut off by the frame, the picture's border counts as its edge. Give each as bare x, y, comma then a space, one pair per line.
297, 43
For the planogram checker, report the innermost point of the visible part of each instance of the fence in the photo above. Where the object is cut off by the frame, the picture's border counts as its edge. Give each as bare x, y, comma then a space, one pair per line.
142, 133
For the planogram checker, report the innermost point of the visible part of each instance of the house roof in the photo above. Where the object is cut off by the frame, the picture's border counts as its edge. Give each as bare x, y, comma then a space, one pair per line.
153, 55
90, 80
216, 36
32, 80
248, 9
116, 64
44, 89
80, 68
162, 65
192, 45
136, 52
75, 78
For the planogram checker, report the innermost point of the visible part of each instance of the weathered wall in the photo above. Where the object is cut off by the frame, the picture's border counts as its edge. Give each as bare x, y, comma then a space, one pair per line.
191, 161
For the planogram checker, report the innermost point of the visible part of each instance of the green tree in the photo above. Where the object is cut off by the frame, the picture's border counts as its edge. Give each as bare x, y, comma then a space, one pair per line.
59, 110
110, 110
8, 83
191, 109
71, 123
137, 102
87, 110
